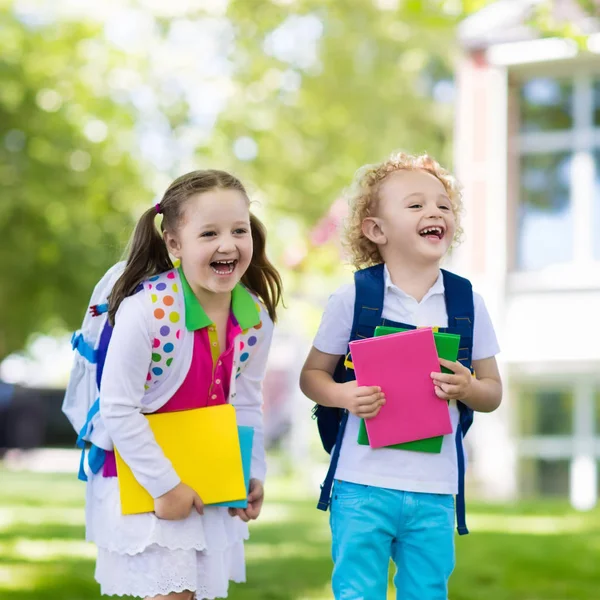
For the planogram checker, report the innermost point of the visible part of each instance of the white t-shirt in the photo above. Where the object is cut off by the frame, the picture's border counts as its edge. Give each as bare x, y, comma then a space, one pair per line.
391, 468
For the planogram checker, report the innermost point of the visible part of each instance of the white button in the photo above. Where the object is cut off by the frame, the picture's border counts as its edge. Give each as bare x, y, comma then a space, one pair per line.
214, 396
211, 328
218, 381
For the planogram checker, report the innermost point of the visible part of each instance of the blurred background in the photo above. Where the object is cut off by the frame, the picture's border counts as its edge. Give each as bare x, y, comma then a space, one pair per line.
103, 104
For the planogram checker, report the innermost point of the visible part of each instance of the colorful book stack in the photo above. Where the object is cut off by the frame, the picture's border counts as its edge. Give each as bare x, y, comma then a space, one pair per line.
400, 361
207, 449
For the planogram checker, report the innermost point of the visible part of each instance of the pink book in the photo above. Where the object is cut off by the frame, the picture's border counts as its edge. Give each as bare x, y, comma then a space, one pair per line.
401, 364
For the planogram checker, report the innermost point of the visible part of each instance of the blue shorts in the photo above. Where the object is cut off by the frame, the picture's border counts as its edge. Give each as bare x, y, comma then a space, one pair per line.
370, 525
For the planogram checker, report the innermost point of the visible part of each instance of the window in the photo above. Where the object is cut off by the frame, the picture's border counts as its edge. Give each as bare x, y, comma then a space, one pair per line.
545, 211
543, 477
546, 105
597, 411
546, 412
596, 197
597, 103
559, 435
558, 214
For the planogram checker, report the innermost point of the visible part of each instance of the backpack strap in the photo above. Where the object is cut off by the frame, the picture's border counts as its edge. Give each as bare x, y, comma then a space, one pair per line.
368, 306
79, 343
461, 317
96, 455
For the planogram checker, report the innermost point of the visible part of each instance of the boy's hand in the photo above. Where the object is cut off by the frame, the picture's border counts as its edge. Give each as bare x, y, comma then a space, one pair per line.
255, 501
364, 401
178, 503
455, 385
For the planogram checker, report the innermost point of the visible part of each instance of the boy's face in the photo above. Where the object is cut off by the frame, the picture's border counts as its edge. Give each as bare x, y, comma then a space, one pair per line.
413, 219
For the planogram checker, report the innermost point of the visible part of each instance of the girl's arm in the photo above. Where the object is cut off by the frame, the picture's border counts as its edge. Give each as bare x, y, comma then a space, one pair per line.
127, 363
248, 400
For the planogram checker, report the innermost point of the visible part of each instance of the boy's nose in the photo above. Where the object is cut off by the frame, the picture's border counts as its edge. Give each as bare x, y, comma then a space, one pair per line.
434, 212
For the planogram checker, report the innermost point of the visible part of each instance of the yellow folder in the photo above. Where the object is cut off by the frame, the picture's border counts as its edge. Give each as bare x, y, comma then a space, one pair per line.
204, 449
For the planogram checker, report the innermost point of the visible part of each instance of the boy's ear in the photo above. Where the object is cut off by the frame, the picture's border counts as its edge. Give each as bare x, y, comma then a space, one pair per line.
372, 230
173, 245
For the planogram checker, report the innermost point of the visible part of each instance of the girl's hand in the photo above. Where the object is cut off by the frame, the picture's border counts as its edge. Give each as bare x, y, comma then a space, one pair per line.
455, 385
178, 503
255, 501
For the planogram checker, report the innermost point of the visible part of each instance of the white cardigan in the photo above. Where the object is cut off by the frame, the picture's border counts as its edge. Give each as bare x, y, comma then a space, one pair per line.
123, 398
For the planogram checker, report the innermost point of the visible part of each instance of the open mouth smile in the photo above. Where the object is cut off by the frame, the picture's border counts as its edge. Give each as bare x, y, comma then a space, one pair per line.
223, 267
433, 232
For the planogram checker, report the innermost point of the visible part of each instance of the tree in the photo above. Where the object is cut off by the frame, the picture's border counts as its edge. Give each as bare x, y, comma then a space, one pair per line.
68, 178
322, 87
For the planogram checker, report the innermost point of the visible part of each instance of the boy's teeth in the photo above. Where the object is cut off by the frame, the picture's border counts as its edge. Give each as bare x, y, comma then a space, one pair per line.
436, 230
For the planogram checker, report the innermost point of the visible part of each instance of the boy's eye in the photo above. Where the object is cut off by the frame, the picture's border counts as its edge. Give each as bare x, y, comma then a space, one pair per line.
207, 234
445, 207
415, 206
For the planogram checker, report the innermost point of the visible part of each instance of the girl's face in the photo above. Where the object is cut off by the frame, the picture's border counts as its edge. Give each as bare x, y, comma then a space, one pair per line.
213, 240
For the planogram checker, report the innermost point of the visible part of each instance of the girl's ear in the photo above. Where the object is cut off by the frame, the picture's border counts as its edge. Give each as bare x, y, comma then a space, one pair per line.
372, 228
173, 244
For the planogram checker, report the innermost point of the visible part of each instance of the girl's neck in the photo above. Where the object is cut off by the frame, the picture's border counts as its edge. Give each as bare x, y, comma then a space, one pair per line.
212, 303
413, 279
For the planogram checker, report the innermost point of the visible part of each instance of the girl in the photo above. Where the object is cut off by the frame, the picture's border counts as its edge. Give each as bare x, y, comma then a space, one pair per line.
208, 325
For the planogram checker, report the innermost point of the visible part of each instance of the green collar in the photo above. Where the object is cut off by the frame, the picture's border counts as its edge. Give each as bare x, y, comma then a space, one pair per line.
243, 306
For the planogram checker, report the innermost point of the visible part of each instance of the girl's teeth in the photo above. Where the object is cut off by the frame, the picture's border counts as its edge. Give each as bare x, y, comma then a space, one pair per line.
225, 267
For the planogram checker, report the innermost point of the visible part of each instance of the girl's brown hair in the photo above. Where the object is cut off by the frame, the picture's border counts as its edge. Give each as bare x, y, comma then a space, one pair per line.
148, 255
362, 198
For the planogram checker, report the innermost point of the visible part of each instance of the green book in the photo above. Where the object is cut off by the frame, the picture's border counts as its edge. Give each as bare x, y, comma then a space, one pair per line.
447, 347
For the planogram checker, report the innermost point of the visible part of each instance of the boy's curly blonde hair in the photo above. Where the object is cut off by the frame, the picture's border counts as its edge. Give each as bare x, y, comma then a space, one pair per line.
362, 198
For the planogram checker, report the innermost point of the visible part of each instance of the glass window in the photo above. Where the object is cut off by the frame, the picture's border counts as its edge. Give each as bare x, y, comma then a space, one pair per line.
596, 205
597, 415
597, 103
546, 105
553, 477
546, 411
545, 234
543, 477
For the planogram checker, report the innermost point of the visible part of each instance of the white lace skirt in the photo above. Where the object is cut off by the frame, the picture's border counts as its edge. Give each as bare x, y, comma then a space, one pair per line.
140, 555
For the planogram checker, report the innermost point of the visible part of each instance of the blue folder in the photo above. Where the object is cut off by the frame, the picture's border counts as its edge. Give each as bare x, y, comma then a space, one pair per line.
246, 435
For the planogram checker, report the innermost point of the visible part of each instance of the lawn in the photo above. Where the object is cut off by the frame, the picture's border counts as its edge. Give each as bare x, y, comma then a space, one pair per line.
535, 551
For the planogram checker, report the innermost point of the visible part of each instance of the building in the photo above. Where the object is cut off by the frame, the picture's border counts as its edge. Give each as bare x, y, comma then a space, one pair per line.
527, 150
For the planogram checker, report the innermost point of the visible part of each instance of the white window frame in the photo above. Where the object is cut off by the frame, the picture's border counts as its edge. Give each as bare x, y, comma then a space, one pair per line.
581, 447
582, 140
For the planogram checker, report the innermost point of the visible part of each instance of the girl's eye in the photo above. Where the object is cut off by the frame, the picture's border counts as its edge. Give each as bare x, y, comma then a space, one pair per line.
445, 207
415, 206
240, 231
207, 234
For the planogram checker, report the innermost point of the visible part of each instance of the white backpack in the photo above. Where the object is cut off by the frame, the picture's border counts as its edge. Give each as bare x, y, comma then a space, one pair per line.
82, 389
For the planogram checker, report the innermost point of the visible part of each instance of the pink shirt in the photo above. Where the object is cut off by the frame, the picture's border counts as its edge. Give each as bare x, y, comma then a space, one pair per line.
207, 381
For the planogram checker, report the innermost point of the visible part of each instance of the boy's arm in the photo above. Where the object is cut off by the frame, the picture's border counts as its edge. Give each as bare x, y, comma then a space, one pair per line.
316, 382
482, 393
486, 386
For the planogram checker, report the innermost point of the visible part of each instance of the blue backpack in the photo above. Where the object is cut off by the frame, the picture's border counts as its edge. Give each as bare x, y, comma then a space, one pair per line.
368, 307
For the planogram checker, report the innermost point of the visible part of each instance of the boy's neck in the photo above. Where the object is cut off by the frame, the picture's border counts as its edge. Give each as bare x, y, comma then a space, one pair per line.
413, 279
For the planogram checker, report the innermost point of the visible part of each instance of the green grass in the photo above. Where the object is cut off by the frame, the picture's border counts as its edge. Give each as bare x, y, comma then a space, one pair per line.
532, 551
